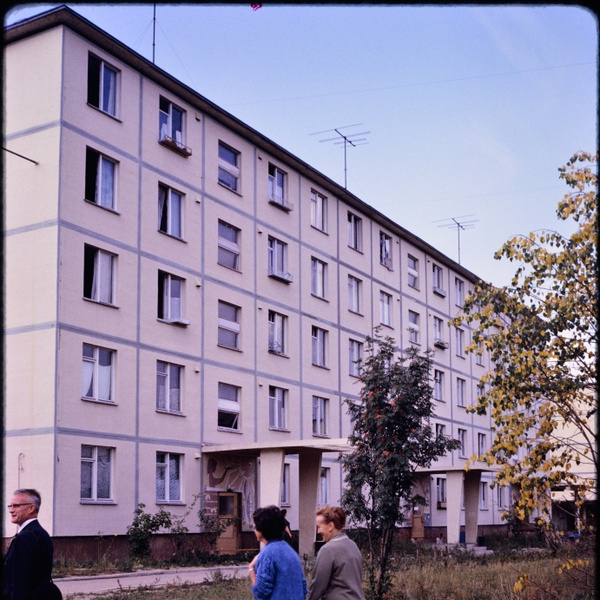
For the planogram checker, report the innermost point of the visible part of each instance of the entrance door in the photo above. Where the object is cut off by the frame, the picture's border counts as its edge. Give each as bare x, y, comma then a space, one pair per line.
229, 518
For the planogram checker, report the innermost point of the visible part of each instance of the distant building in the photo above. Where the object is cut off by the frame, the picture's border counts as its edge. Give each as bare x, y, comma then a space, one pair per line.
186, 302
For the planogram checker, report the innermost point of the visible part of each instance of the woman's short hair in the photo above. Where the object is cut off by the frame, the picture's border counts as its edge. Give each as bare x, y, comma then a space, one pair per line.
333, 514
270, 522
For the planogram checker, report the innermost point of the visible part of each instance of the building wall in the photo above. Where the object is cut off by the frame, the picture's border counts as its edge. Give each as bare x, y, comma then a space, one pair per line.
48, 321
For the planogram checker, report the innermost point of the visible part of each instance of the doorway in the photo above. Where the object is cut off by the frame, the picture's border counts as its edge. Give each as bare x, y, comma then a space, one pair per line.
229, 522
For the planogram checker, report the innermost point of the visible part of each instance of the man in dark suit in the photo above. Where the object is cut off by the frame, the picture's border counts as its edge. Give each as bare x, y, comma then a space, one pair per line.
28, 561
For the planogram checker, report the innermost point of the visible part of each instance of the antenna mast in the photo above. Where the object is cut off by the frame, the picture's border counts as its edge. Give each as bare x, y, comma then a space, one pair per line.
154, 34
454, 223
345, 139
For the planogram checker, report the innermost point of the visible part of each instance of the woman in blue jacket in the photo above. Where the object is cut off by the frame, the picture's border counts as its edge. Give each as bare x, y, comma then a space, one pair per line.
276, 572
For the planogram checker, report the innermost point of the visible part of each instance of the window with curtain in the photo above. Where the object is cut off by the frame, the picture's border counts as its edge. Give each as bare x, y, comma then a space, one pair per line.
97, 373
168, 477
98, 275
103, 80
100, 179
96, 473
170, 297
168, 387
170, 208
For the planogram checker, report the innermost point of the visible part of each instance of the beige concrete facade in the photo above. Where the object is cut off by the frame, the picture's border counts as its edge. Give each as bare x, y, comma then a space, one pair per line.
201, 390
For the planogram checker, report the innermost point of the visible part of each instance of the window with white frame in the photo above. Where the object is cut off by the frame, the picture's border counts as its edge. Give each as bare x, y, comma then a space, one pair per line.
413, 271
483, 495
481, 445
228, 412
98, 275
438, 281
100, 179
440, 430
103, 85
319, 347
318, 211
277, 259
171, 126
168, 387
385, 308
318, 278
479, 354
229, 167
501, 496
438, 333
413, 326
324, 478
170, 211
96, 473
320, 411
229, 325
440, 487
170, 298
277, 408
277, 333
461, 391
285, 486
462, 438
438, 385
460, 342
459, 291
168, 477
385, 250
97, 373
354, 232
229, 246
277, 187
355, 357
354, 294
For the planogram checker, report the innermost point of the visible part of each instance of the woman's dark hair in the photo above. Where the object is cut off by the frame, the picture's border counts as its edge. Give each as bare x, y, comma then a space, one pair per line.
270, 522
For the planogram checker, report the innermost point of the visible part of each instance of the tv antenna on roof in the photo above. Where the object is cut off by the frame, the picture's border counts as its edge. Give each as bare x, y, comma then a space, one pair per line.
345, 139
459, 225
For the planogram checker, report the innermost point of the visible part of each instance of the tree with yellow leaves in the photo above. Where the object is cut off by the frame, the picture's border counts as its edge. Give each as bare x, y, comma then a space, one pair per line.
541, 333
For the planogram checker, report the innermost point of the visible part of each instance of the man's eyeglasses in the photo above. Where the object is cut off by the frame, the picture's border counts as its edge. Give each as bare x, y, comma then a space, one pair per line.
17, 505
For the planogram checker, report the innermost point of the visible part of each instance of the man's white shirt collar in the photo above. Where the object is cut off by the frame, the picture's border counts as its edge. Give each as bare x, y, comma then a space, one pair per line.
26, 523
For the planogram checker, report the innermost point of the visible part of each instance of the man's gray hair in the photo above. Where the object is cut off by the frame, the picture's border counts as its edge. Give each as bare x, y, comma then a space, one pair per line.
33, 496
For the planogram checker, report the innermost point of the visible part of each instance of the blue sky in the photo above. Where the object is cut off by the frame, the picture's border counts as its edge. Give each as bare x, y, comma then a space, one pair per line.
470, 110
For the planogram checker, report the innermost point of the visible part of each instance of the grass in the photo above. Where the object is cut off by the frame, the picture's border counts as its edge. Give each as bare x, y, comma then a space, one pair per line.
417, 577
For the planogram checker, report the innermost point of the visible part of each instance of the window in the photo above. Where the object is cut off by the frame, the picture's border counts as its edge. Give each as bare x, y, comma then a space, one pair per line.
354, 232
461, 386
277, 333
318, 211
320, 409
324, 487
229, 167
285, 486
170, 211
319, 347
168, 387
438, 333
438, 281
460, 342
100, 174
479, 355
229, 246
168, 477
440, 430
459, 291
413, 326
103, 81
228, 415
171, 127
170, 298
438, 385
483, 495
354, 294
462, 438
413, 271
385, 308
229, 325
98, 275
440, 486
501, 496
277, 408
481, 445
277, 188
96, 473
278, 260
318, 278
355, 352
385, 250
97, 370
